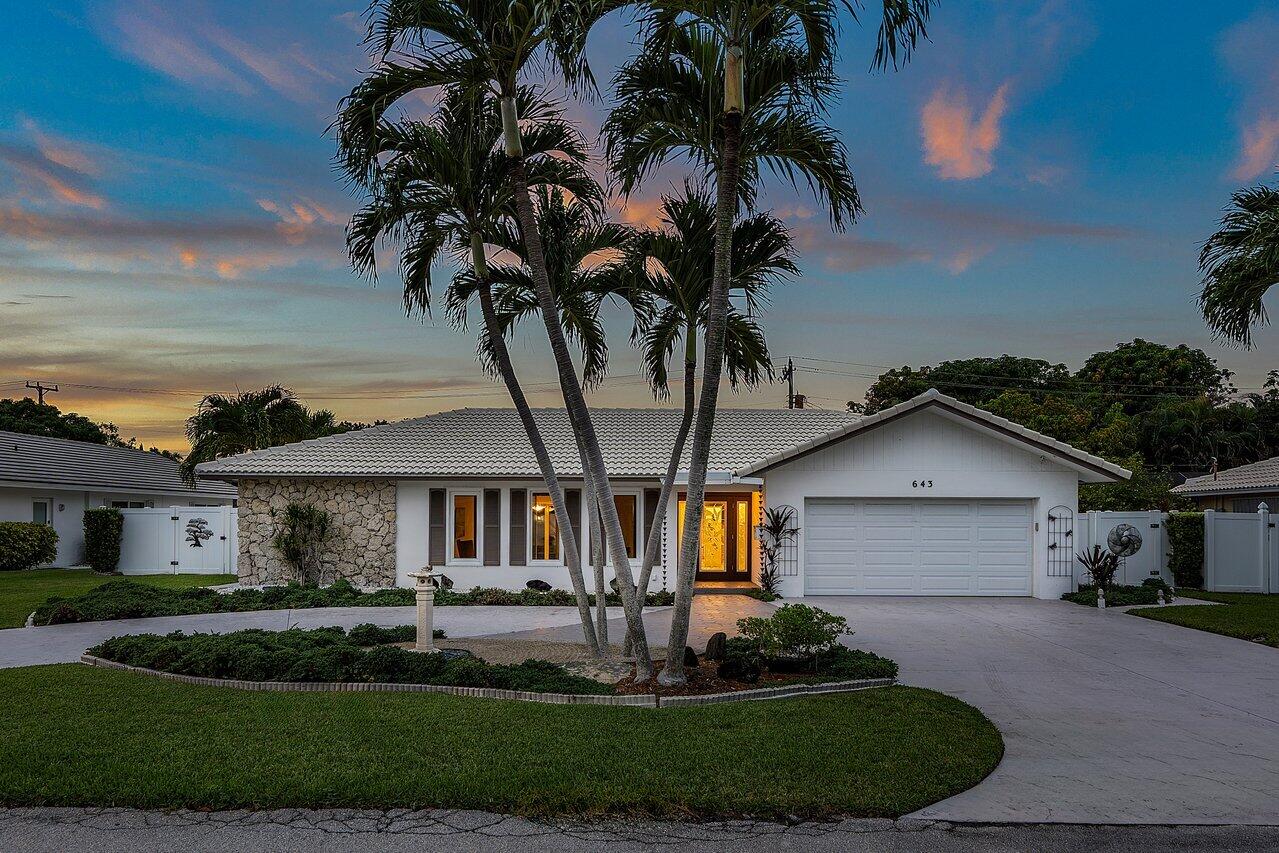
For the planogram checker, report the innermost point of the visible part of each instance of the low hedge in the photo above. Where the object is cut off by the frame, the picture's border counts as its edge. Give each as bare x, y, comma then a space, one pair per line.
744, 662
1186, 548
26, 544
1120, 596
125, 599
331, 654
103, 531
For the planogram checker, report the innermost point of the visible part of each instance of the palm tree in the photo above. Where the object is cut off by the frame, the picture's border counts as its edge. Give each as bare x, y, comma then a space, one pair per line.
224, 425
1240, 262
678, 267
485, 47
438, 189
587, 262
733, 87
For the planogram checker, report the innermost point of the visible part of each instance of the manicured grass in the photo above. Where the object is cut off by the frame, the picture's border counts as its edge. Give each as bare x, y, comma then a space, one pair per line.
22, 592
101, 738
1247, 616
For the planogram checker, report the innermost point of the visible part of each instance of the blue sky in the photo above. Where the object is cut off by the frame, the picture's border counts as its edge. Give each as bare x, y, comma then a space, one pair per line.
1037, 182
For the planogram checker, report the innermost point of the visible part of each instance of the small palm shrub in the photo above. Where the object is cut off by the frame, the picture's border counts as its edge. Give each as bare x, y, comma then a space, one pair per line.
1101, 565
103, 533
300, 540
26, 544
776, 530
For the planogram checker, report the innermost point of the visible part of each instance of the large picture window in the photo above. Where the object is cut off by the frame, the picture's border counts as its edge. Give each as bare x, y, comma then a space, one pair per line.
544, 529
465, 527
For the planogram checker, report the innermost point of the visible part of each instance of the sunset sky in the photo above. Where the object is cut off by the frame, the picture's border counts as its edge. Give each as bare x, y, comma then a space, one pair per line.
1037, 182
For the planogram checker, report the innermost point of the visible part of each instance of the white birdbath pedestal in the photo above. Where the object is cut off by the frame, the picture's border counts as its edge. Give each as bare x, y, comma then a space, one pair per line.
425, 610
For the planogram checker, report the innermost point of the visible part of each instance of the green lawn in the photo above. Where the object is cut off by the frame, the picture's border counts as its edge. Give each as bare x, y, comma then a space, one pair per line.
101, 738
1247, 616
22, 592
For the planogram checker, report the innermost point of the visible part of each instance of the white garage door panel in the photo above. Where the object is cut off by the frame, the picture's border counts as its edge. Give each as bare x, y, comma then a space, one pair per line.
939, 547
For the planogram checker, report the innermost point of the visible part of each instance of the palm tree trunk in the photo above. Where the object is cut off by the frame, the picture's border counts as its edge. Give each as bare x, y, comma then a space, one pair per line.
699, 455
595, 471
653, 544
572, 553
597, 564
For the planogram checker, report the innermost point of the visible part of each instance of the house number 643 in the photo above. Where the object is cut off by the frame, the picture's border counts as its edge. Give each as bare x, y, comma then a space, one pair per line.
922, 484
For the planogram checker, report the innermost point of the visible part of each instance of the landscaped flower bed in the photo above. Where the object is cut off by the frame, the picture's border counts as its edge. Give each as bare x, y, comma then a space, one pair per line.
332, 655
1121, 596
126, 599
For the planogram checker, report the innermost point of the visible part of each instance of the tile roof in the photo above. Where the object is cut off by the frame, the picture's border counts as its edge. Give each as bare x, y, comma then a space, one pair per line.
1246, 478
492, 443
79, 464
932, 397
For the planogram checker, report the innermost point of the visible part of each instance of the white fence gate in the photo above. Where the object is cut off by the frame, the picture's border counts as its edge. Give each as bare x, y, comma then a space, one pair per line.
1150, 561
1241, 549
179, 540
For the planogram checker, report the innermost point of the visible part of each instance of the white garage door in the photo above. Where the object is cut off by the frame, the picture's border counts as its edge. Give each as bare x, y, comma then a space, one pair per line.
865, 546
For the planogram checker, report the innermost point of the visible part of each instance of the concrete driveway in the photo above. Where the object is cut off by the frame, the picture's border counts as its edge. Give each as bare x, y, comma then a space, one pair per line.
1106, 718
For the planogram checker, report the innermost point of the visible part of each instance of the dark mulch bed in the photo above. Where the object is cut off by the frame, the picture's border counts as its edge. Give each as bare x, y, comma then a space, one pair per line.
703, 680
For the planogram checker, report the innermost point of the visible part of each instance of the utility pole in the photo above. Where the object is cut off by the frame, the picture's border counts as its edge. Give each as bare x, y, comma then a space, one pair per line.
789, 373
41, 389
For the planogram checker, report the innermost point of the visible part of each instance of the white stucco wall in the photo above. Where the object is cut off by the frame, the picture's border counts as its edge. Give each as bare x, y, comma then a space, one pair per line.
961, 462
68, 508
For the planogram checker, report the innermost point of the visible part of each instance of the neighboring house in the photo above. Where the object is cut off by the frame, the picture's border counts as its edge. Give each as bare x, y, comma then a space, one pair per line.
54, 480
1240, 489
930, 497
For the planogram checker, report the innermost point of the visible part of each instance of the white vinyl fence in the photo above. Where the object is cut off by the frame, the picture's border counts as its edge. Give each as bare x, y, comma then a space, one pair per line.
179, 540
1241, 549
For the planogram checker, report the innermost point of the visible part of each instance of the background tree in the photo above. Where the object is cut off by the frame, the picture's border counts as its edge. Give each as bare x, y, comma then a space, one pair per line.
1240, 263
969, 379
252, 420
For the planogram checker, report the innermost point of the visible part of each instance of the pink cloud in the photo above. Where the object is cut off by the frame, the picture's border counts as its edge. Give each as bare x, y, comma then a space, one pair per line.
958, 142
1259, 149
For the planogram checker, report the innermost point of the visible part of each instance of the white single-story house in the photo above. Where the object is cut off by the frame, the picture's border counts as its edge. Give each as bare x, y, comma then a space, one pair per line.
1240, 489
929, 497
54, 480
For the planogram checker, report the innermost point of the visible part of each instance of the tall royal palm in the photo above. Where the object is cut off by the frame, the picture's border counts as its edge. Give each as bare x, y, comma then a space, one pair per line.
677, 264
224, 425
487, 47
587, 265
1240, 263
734, 87
439, 190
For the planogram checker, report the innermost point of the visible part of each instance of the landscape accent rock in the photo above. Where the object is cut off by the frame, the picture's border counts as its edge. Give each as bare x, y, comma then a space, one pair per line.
641, 700
538, 585
716, 646
361, 547
690, 657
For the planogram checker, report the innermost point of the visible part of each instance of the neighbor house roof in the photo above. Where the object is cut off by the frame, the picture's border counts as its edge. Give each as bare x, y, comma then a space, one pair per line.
636, 443
934, 399
59, 462
492, 443
1260, 476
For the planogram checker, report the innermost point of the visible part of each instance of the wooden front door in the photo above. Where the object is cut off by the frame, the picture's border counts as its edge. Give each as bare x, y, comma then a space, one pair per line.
725, 545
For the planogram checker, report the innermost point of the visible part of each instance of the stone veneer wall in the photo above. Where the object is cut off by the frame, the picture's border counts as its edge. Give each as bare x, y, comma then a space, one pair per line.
361, 547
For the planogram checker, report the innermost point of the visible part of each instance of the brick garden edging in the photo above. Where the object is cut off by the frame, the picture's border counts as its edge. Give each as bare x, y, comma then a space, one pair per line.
646, 700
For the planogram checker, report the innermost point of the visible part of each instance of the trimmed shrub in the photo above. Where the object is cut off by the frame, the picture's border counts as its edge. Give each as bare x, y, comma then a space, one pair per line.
103, 532
1120, 596
331, 654
794, 631
1186, 548
26, 544
125, 599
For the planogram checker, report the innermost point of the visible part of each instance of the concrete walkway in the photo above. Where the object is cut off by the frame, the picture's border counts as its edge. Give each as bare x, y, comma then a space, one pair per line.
65, 643
1106, 717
